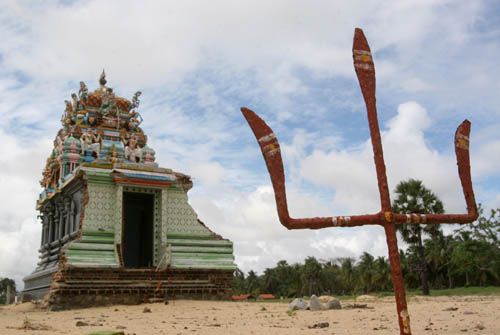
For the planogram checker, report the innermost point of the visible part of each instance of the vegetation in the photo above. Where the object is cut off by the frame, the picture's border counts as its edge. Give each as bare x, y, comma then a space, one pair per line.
413, 197
467, 257
4, 283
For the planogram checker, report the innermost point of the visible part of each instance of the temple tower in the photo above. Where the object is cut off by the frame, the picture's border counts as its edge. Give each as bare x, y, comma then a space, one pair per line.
116, 227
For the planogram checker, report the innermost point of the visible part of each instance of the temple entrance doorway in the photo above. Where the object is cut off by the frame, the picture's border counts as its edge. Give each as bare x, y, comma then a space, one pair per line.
137, 231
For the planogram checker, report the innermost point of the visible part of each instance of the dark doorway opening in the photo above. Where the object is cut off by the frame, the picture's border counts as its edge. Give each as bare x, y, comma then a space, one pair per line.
137, 233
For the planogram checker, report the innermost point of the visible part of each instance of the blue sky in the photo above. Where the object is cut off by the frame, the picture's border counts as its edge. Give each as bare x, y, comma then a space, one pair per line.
198, 62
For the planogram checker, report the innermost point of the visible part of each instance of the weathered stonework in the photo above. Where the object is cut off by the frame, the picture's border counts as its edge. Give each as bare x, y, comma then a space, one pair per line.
181, 218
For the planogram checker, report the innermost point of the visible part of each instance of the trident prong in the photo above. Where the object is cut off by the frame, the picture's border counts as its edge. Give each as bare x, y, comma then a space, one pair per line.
268, 142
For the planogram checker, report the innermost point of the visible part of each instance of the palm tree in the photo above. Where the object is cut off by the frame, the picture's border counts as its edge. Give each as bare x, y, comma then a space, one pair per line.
238, 282
311, 275
252, 282
438, 251
366, 271
6, 284
413, 197
347, 274
382, 274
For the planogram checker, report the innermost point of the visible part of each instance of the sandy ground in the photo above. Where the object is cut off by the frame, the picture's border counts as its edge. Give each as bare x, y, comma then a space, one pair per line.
436, 315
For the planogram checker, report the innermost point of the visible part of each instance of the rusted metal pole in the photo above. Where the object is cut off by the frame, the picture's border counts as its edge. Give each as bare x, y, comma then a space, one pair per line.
365, 71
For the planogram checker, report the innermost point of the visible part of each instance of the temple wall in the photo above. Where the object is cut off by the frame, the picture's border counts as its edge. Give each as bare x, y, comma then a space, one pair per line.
100, 212
181, 218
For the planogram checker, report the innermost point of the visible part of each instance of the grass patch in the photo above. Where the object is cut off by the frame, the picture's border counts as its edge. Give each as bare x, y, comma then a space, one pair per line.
488, 290
457, 291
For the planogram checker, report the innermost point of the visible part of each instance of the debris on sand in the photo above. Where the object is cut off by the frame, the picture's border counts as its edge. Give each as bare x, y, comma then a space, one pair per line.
357, 306
320, 325
479, 326
30, 325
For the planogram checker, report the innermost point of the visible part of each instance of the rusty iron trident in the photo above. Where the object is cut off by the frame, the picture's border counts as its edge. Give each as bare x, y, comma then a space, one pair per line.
365, 71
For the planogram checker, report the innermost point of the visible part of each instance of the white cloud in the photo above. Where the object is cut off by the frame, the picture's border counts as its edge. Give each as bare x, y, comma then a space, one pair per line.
20, 168
407, 155
210, 173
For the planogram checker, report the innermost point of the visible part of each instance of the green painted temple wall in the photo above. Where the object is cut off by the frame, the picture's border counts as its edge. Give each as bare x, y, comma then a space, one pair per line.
180, 239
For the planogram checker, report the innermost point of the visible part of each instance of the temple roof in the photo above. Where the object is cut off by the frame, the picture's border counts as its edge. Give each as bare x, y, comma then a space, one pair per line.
98, 127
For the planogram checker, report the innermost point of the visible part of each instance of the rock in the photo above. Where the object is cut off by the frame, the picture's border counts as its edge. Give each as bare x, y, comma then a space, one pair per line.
297, 304
325, 298
329, 302
333, 304
81, 324
479, 326
146, 310
320, 325
314, 303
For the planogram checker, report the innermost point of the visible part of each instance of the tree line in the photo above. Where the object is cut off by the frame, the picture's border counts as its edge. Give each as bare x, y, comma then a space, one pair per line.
466, 256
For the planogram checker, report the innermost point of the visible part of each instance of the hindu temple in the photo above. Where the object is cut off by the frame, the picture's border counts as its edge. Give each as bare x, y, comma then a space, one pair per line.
116, 227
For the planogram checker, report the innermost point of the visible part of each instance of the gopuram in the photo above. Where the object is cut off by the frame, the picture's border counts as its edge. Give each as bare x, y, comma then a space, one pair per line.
116, 227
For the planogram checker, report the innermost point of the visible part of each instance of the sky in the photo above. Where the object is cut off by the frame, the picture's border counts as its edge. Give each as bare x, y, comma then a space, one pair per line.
198, 62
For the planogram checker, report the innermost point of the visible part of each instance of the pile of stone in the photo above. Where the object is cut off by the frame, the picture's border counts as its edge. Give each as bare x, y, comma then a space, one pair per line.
324, 302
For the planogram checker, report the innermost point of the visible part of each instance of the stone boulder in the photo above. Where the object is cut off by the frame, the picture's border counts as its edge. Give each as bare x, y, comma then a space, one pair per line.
329, 302
315, 304
297, 304
333, 304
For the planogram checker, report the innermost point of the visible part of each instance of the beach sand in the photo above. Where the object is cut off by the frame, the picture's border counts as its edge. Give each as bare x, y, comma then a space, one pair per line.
429, 315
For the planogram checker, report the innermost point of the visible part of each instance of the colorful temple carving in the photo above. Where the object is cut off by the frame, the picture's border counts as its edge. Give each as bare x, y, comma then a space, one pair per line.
116, 227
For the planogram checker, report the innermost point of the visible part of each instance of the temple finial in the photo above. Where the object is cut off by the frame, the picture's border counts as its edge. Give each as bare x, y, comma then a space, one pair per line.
102, 79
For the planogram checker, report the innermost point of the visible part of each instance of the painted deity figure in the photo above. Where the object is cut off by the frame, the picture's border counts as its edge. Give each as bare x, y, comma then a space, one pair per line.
66, 118
69, 107
46, 174
83, 93
132, 149
74, 102
113, 155
90, 142
59, 141
108, 101
135, 120
135, 100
